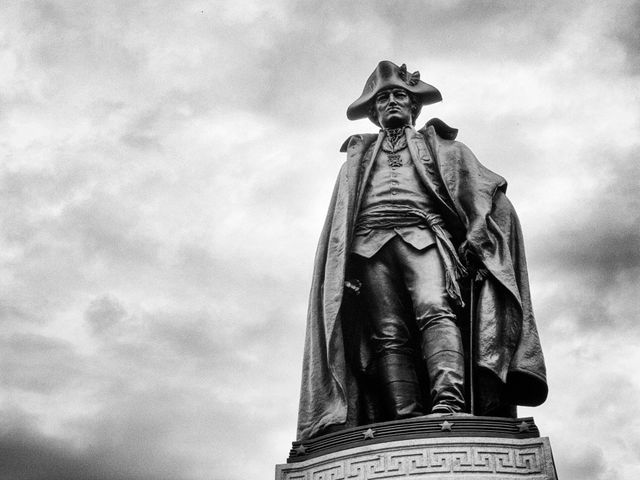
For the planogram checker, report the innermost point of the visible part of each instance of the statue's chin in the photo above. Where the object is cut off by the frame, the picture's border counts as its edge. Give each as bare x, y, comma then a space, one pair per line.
394, 122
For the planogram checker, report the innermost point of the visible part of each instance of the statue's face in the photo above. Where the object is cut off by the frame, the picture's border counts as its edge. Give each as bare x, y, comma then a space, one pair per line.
393, 108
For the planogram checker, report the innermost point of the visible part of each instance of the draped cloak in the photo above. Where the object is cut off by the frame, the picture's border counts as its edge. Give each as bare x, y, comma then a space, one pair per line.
507, 357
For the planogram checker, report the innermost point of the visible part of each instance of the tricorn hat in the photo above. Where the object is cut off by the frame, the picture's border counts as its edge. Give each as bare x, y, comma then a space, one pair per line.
388, 75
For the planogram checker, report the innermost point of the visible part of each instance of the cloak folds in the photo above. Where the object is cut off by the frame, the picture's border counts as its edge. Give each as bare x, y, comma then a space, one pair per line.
508, 362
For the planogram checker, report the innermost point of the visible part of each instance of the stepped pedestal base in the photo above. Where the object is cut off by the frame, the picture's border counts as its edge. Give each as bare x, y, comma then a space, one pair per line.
452, 450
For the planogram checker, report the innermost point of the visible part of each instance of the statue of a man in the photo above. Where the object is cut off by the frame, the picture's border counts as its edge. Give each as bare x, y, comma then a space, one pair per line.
414, 216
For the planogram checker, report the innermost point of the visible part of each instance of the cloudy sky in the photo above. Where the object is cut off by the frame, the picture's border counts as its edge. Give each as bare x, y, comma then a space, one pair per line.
165, 171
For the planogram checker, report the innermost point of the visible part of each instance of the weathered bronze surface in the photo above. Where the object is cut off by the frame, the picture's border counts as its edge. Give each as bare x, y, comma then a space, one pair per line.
420, 298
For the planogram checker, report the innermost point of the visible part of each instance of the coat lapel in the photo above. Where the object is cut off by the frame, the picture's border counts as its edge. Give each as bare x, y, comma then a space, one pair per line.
367, 162
426, 167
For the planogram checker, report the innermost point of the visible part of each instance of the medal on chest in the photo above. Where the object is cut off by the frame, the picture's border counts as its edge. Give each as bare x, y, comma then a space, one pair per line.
394, 143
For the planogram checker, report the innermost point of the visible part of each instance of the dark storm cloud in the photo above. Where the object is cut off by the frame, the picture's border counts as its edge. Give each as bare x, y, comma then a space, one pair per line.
603, 253
26, 454
31, 457
134, 438
168, 392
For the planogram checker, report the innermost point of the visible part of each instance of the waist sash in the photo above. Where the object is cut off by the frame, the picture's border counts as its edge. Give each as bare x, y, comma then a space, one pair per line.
393, 216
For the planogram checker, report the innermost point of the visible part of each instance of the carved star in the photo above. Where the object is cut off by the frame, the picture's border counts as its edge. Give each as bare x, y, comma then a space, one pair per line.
301, 450
368, 434
523, 427
446, 426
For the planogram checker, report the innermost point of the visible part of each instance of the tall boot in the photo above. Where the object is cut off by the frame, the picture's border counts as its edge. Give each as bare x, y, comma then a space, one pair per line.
444, 356
400, 386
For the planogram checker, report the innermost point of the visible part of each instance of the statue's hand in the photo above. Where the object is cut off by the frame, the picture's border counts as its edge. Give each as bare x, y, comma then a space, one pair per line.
472, 262
468, 256
353, 286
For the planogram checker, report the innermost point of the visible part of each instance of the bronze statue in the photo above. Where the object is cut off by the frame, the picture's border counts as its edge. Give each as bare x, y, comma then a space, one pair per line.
420, 266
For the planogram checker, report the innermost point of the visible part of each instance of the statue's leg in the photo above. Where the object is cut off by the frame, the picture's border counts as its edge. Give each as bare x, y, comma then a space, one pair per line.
391, 338
400, 383
442, 350
441, 339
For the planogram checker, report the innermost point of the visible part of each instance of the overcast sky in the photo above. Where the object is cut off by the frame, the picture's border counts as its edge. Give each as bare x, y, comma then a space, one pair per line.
166, 168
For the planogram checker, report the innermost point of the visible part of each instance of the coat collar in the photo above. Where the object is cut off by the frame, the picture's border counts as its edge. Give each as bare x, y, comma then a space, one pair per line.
423, 161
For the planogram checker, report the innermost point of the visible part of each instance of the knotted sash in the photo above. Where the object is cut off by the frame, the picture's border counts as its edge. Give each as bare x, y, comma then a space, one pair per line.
397, 216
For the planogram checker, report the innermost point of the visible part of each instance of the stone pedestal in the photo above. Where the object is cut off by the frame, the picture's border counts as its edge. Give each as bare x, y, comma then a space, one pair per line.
444, 448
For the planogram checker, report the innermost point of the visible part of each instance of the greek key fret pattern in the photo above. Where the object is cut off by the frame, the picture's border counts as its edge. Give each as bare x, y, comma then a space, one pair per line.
423, 462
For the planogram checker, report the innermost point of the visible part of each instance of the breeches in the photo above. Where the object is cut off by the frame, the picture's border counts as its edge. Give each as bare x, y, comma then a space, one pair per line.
399, 273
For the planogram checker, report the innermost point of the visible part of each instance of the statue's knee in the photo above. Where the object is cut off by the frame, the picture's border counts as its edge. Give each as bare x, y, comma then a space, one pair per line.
435, 313
399, 344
